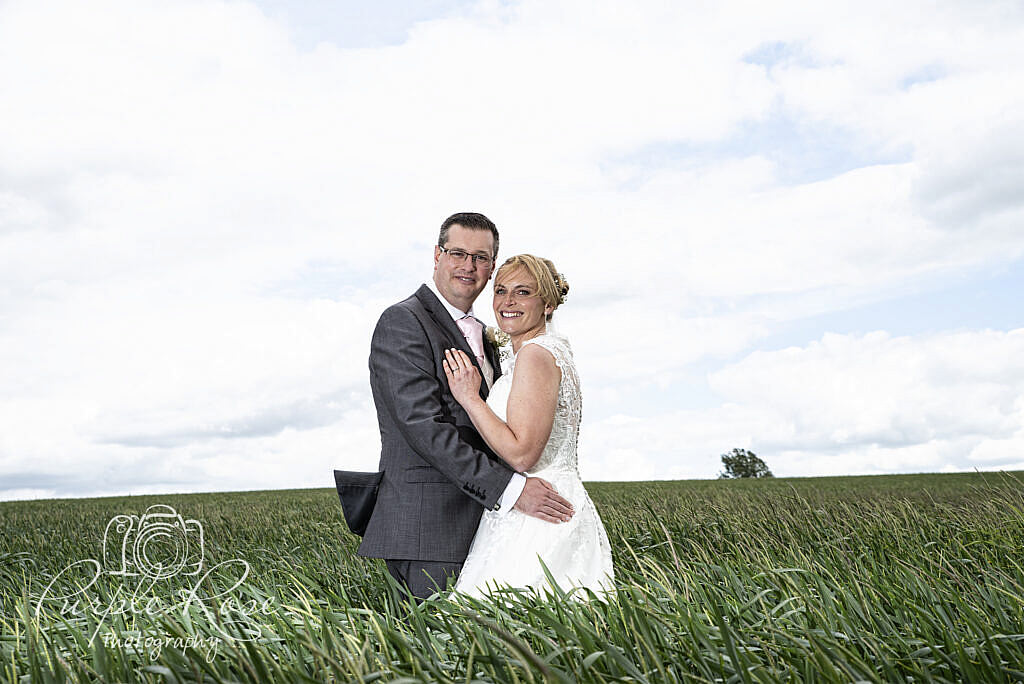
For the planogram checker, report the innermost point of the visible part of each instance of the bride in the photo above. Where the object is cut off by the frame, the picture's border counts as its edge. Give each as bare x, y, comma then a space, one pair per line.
531, 419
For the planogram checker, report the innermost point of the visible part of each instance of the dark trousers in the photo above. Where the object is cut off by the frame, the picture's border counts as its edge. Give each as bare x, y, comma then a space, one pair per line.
423, 578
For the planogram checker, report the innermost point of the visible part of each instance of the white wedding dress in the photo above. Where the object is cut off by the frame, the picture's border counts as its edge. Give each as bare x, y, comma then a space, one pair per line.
507, 545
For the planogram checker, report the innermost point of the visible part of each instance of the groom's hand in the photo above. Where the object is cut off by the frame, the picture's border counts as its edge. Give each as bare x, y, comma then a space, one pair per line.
540, 500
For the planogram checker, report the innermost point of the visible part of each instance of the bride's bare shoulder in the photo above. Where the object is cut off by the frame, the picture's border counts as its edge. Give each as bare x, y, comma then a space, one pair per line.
536, 358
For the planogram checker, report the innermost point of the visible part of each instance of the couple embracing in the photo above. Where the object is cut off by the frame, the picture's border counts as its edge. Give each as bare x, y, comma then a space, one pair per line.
478, 477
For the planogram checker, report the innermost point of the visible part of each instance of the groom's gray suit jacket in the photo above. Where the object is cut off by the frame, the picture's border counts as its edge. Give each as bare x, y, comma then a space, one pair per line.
438, 472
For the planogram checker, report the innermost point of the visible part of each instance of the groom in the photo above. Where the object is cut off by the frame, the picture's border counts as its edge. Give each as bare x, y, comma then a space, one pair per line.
437, 473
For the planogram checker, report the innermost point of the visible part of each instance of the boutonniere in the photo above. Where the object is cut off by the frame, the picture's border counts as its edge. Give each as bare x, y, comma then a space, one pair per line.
501, 341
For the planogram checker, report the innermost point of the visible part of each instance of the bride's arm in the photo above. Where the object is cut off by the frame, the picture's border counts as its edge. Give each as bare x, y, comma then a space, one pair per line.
531, 404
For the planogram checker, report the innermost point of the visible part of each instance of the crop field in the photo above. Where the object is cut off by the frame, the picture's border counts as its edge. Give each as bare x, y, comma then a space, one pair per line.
884, 578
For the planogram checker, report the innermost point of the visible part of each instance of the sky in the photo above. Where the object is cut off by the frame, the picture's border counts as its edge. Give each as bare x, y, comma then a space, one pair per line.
795, 228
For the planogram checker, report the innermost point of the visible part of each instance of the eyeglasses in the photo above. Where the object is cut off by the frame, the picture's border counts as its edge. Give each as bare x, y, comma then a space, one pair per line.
459, 256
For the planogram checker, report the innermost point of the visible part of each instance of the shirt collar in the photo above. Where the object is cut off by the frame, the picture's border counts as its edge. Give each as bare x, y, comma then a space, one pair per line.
453, 311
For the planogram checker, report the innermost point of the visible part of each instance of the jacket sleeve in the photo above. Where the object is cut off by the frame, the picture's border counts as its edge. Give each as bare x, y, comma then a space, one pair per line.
404, 372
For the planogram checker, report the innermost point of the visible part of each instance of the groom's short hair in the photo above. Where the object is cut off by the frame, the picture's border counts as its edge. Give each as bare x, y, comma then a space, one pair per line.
468, 219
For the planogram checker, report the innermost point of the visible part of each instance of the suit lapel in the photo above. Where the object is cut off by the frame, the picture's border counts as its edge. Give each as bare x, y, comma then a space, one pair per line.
492, 356
440, 314
442, 318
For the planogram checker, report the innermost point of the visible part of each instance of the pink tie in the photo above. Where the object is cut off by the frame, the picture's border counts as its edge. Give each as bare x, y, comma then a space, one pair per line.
472, 330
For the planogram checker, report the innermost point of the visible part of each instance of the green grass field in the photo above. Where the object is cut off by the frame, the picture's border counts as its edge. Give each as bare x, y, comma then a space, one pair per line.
887, 578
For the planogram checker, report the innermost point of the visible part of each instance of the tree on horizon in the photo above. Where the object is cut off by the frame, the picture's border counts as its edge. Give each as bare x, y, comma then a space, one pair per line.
741, 463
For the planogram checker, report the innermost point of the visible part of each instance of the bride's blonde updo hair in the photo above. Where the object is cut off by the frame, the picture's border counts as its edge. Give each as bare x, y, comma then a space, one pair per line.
551, 285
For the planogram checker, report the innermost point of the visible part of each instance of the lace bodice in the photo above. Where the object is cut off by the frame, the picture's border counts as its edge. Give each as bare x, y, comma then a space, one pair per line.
560, 451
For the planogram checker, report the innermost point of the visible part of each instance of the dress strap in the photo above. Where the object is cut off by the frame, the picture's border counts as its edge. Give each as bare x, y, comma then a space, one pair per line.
558, 346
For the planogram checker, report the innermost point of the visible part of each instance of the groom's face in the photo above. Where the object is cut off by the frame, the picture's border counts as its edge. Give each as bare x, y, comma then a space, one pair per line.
461, 281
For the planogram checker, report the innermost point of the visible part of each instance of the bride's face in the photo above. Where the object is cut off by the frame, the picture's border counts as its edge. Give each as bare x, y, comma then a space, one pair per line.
518, 307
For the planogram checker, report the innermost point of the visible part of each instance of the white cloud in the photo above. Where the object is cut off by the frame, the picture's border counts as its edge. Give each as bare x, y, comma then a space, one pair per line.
857, 404
200, 219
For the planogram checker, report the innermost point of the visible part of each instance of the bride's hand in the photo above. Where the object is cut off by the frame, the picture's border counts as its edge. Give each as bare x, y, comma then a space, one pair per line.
463, 377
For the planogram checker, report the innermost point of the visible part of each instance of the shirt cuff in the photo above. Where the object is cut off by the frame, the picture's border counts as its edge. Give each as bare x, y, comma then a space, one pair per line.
508, 498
